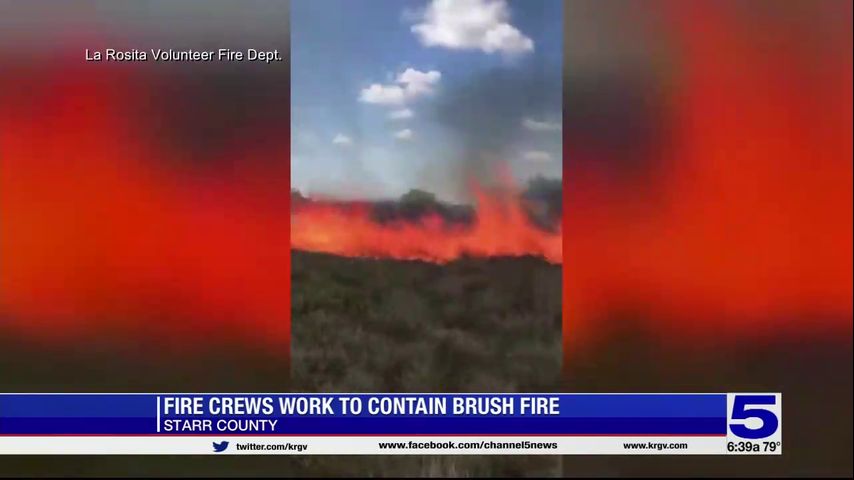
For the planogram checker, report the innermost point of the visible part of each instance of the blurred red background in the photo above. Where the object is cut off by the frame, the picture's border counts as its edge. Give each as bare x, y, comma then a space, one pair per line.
144, 201
728, 216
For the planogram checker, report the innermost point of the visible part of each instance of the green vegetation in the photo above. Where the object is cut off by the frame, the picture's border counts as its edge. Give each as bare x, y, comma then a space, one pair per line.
474, 325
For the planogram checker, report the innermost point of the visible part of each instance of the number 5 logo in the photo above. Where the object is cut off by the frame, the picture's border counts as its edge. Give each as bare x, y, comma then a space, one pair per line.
745, 408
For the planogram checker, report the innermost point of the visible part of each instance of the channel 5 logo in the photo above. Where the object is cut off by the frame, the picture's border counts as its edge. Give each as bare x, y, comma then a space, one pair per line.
755, 416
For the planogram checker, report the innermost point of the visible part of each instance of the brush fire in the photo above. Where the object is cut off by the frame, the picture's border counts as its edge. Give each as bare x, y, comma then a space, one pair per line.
418, 227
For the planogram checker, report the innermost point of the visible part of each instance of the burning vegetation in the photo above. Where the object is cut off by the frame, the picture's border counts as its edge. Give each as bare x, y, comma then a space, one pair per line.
503, 222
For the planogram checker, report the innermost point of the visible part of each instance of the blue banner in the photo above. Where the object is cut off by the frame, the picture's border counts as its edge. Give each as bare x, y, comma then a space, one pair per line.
363, 414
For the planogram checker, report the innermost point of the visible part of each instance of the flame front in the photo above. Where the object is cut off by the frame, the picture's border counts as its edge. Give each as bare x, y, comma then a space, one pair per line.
501, 227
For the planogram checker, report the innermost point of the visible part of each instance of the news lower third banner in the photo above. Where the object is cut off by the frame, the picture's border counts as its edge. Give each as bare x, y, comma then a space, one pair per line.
392, 424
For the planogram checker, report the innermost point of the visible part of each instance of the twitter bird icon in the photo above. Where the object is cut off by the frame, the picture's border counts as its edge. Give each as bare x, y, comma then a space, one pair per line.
220, 447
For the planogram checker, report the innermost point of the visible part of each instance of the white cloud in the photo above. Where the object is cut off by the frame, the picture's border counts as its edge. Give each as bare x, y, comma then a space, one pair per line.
342, 139
383, 94
540, 126
537, 156
402, 114
408, 85
418, 83
405, 134
471, 25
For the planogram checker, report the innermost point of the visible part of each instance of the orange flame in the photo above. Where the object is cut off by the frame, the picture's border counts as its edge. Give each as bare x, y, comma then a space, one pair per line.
501, 227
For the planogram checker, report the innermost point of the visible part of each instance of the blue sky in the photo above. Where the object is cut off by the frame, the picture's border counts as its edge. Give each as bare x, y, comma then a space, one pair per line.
389, 95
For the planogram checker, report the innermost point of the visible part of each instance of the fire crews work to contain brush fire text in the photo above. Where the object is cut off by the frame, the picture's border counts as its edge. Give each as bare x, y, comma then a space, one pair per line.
257, 407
